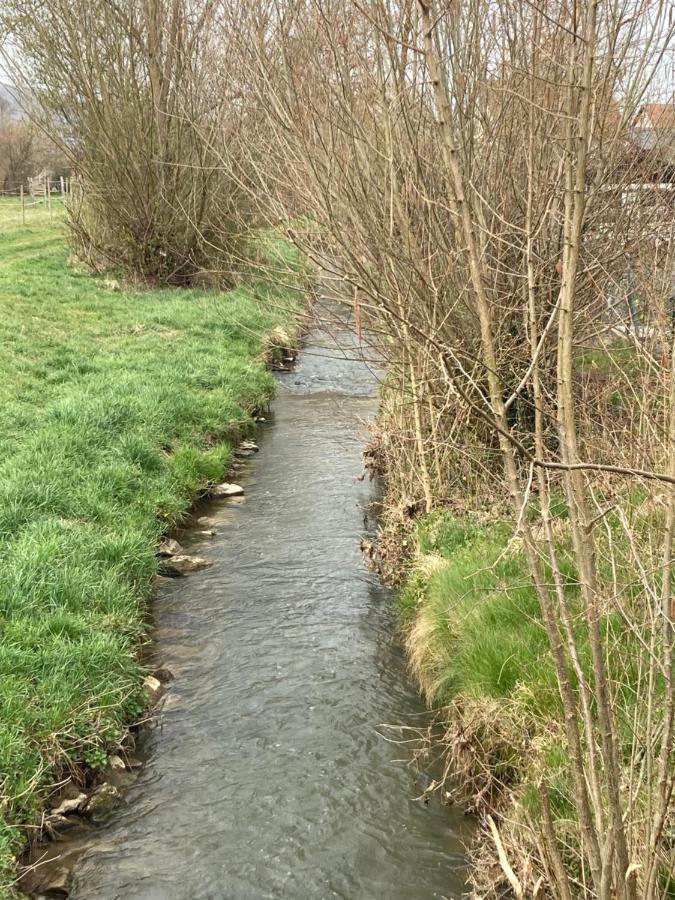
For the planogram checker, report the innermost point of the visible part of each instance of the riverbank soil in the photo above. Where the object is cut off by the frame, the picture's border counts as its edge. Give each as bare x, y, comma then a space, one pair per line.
119, 406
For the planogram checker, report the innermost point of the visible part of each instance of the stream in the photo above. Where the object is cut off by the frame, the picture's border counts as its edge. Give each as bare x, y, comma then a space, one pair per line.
271, 775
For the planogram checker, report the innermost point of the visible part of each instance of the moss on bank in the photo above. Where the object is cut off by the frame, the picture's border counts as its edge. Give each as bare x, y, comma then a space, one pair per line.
117, 406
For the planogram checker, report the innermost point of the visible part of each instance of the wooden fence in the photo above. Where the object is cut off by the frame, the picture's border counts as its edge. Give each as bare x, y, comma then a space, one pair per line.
37, 199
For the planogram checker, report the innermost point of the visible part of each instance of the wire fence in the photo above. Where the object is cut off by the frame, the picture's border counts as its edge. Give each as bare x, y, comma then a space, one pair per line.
37, 201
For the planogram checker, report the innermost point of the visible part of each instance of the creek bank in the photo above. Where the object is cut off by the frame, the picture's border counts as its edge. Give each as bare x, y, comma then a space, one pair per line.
121, 407
84, 797
87, 795
477, 647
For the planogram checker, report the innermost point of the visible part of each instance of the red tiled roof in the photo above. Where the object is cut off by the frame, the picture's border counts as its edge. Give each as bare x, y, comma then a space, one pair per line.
661, 115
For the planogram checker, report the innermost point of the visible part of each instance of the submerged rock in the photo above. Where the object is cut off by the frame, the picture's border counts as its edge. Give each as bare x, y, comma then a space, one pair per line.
56, 825
103, 797
226, 489
163, 675
206, 534
181, 565
161, 580
56, 882
169, 547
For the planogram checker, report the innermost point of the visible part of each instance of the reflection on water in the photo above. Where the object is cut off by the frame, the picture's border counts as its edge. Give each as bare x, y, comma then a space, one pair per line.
269, 778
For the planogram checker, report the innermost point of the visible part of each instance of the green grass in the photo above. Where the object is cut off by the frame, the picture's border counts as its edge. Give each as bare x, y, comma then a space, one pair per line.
117, 406
478, 647
473, 617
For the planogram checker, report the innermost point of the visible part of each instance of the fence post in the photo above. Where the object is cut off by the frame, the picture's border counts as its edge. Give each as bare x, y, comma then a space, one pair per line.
48, 189
23, 207
63, 186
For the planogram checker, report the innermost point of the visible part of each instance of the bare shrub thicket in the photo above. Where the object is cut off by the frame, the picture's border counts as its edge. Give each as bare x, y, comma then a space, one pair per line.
17, 152
469, 170
25, 150
130, 92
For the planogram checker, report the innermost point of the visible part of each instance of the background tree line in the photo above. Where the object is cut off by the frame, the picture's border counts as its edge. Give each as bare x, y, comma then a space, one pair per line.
24, 150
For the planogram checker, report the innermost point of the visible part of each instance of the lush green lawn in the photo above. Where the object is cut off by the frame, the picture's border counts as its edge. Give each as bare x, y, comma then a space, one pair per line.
117, 405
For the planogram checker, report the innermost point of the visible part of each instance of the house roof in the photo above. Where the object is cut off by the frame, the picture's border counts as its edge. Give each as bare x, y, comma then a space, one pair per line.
658, 115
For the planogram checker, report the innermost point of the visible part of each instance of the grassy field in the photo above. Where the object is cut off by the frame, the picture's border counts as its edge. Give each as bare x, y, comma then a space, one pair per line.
117, 406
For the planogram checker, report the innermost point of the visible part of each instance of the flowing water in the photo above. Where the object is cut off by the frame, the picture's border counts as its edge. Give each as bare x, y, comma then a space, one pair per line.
270, 776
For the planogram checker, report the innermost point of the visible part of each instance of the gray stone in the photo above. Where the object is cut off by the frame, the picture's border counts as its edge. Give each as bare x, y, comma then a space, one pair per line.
57, 824
153, 688
181, 565
103, 797
226, 489
169, 547
69, 806
161, 580
163, 674
56, 882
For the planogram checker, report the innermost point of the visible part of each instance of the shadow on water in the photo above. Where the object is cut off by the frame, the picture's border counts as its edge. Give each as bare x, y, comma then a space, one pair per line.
269, 777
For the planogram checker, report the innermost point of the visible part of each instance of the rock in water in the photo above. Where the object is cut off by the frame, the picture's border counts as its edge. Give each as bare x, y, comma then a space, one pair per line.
69, 806
57, 882
102, 798
161, 580
153, 688
249, 445
181, 565
169, 547
226, 489
164, 675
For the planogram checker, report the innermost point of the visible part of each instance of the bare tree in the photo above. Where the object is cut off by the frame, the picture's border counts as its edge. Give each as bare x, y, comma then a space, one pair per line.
128, 91
469, 170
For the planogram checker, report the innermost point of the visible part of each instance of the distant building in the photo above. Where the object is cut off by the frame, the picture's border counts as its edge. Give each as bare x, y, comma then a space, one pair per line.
654, 130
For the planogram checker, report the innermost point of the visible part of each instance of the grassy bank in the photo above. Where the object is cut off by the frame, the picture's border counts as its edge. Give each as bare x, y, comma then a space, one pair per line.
117, 406
479, 650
